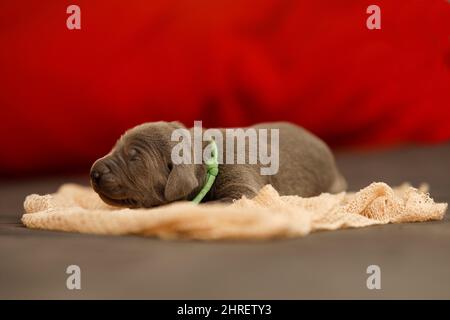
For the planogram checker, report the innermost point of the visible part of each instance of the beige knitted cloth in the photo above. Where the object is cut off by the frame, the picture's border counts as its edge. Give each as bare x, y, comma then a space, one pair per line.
76, 208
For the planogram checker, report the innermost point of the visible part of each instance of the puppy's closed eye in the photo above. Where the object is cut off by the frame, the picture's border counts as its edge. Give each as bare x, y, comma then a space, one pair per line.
133, 155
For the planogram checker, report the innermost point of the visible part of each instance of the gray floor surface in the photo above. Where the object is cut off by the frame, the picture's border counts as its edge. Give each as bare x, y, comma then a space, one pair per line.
414, 258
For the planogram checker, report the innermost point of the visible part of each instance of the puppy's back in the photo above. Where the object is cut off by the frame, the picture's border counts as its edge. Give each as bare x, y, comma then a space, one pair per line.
306, 164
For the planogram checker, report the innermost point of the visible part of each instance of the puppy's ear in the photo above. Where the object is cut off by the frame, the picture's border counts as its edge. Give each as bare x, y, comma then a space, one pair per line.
181, 182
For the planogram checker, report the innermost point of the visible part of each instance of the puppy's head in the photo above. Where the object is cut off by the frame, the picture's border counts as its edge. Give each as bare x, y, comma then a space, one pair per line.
139, 172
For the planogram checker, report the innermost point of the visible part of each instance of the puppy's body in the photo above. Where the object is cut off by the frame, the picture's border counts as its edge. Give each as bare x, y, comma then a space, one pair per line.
306, 168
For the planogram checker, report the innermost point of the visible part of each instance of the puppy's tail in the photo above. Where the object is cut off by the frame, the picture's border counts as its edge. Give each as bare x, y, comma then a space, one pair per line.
339, 184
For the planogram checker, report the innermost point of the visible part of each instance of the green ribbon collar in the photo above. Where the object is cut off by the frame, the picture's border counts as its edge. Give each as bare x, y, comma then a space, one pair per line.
212, 170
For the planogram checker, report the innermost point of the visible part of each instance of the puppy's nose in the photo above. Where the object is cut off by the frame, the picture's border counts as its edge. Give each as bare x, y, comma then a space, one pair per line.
97, 172
95, 176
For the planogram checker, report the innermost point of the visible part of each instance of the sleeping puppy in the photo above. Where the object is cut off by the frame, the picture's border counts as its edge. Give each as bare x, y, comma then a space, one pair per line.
139, 171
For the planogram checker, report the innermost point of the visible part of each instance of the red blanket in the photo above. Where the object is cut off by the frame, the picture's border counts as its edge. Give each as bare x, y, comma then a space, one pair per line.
66, 95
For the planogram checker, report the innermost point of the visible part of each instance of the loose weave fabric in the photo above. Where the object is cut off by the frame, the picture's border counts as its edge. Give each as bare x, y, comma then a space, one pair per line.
76, 208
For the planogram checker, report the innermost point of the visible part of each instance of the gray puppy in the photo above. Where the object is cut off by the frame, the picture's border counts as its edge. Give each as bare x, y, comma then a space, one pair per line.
139, 171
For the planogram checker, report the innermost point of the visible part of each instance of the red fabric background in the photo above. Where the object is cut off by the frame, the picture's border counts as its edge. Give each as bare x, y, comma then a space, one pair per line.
66, 96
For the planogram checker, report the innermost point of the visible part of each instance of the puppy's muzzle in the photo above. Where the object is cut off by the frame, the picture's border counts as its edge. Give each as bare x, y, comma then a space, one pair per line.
101, 175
